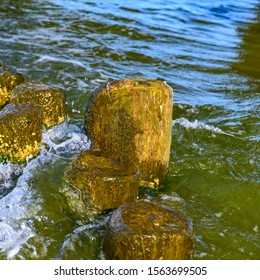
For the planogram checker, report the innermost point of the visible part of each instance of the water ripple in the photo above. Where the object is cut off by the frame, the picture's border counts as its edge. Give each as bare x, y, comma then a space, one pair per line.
208, 51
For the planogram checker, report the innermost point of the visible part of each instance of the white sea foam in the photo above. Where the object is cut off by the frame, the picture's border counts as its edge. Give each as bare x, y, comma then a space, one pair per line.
201, 255
65, 139
8, 172
172, 200
173, 197
255, 229
219, 214
197, 125
20, 206
85, 230
75, 111
11, 239
48, 58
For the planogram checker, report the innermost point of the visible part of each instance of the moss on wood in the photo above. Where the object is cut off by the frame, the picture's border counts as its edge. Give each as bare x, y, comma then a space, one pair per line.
145, 231
20, 131
131, 120
103, 183
52, 100
9, 79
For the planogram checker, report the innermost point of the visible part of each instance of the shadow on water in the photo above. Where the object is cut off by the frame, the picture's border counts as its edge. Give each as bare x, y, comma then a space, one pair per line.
249, 55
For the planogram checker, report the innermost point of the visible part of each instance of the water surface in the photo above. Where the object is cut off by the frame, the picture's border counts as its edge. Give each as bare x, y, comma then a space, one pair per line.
207, 51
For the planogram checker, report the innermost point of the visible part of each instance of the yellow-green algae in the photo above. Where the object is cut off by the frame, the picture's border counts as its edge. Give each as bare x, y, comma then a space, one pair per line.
102, 182
131, 121
20, 131
52, 100
9, 79
144, 231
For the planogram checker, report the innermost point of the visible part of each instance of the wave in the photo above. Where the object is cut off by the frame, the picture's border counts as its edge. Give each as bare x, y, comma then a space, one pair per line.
20, 206
197, 125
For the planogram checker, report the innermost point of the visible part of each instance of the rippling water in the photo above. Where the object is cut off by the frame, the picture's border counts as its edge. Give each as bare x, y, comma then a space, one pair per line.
208, 51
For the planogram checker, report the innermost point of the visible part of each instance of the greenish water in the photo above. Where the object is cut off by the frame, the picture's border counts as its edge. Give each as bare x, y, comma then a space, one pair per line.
208, 51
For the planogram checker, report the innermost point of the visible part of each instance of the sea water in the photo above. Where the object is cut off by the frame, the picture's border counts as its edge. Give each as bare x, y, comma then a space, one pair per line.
207, 51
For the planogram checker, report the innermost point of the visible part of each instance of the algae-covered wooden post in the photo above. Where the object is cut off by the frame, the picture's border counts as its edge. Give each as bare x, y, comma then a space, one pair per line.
145, 231
20, 131
9, 79
51, 98
102, 183
131, 120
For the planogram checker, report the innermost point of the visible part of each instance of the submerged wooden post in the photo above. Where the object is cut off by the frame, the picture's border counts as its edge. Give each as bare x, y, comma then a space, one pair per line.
102, 183
131, 120
145, 231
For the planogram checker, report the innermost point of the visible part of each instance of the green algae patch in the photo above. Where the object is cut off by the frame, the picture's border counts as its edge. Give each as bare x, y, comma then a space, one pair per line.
144, 231
20, 131
101, 181
131, 121
9, 79
52, 100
